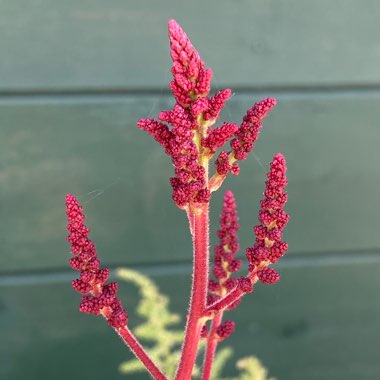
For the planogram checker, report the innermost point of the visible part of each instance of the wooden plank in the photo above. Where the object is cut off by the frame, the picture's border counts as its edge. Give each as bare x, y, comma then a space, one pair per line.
54, 45
315, 324
91, 148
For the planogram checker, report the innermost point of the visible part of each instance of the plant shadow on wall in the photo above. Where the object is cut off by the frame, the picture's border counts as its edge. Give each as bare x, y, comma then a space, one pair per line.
186, 134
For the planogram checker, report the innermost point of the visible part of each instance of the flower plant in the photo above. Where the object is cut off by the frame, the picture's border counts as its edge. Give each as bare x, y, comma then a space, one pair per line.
186, 133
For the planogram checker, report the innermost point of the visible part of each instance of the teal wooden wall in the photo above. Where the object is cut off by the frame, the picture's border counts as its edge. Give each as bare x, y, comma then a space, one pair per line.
75, 77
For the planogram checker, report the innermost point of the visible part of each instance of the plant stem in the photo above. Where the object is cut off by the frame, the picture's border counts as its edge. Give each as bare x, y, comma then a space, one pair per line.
212, 342
226, 301
234, 295
130, 340
198, 296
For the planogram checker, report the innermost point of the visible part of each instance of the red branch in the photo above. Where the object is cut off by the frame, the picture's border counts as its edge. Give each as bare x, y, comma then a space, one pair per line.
212, 343
130, 340
198, 294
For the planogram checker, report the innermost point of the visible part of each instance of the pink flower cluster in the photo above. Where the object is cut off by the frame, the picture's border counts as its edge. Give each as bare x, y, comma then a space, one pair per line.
189, 183
225, 263
98, 296
245, 137
190, 141
269, 247
191, 79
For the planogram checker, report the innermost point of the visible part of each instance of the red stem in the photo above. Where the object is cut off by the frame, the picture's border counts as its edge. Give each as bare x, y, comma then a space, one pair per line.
198, 294
130, 340
212, 342
226, 301
234, 295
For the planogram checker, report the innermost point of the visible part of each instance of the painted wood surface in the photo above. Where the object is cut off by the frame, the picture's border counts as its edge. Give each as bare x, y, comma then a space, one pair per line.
102, 45
319, 323
92, 148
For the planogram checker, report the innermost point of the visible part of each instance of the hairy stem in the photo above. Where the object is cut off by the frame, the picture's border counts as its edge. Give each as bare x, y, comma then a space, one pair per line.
212, 342
226, 301
130, 340
195, 319
234, 295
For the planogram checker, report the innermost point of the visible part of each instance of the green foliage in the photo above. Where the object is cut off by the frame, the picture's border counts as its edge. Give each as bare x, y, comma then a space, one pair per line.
159, 329
252, 369
157, 326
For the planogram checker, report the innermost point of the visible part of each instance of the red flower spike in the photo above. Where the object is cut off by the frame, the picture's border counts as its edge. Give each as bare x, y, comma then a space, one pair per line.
186, 134
219, 136
269, 247
91, 278
225, 329
216, 104
268, 276
225, 264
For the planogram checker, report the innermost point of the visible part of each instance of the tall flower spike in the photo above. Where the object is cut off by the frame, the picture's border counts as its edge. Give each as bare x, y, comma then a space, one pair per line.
269, 247
98, 296
225, 262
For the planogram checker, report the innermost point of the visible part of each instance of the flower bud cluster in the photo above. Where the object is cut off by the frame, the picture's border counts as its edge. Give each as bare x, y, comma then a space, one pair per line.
269, 247
99, 297
245, 137
225, 263
225, 329
185, 131
190, 78
189, 184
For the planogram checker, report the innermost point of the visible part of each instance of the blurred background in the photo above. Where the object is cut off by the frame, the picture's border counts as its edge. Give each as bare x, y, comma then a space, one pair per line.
74, 78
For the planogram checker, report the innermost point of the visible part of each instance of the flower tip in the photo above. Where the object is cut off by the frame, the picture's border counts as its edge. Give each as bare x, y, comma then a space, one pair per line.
279, 157
228, 194
227, 92
172, 23
279, 162
70, 198
174, 28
